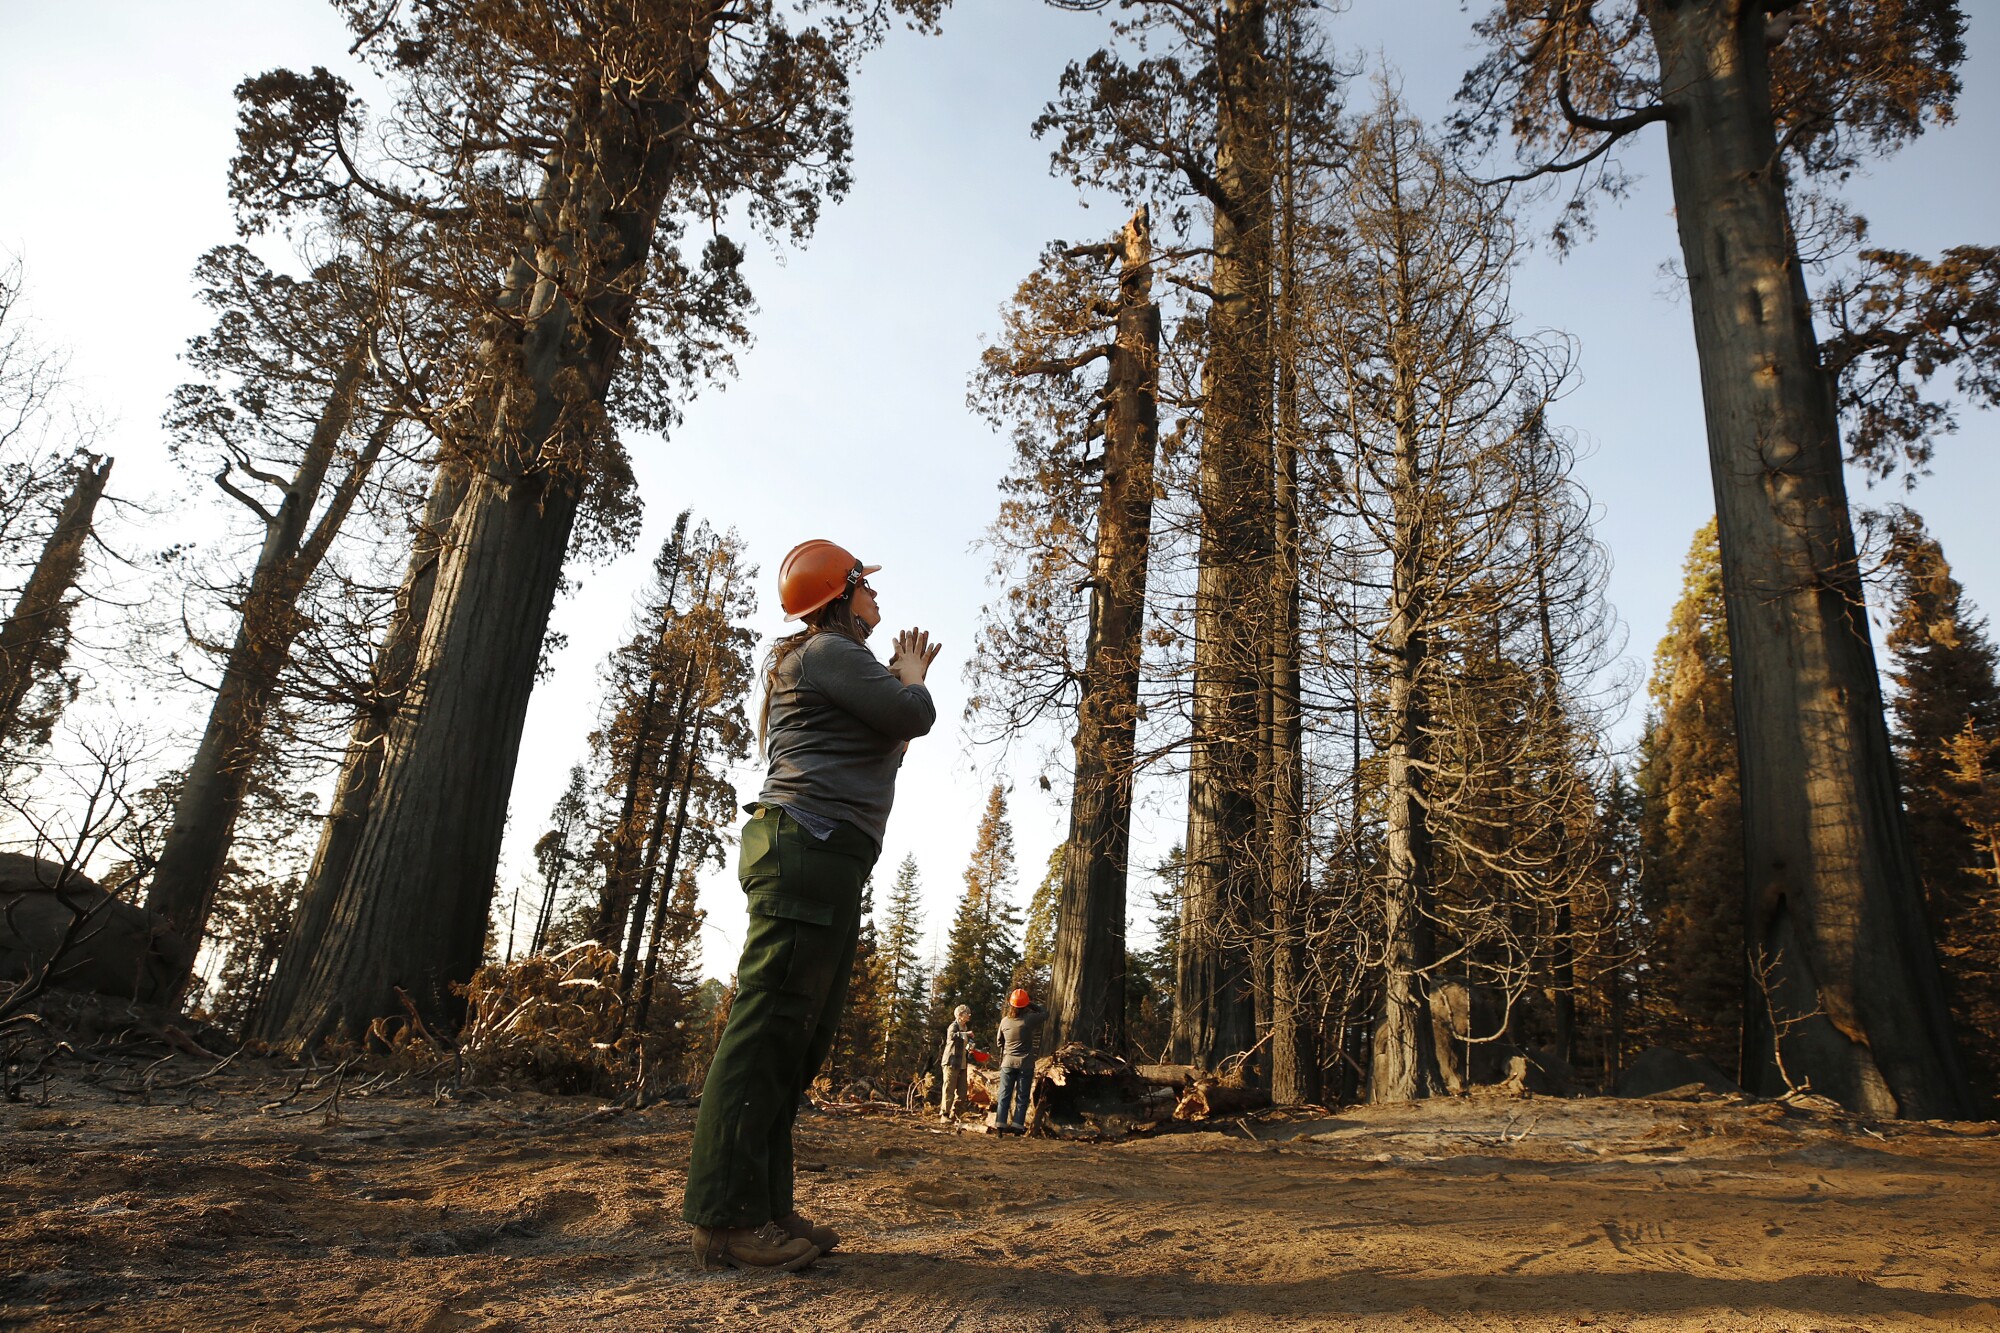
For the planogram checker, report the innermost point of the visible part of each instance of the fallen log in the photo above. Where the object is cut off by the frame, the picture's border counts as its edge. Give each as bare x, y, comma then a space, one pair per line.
1208, 1097
1172, 1076
1083, 1093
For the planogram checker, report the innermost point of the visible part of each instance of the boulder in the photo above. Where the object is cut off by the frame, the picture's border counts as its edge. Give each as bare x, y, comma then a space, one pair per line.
116, 948
1539, 1073
1469, 1030
1660, 1069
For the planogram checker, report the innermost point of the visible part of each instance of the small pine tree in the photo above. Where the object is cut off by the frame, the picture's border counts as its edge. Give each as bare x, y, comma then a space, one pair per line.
982, 949
901, 982
1150, 975
857, 1045
1038, 953
1947, 725
1691, 834
558, 853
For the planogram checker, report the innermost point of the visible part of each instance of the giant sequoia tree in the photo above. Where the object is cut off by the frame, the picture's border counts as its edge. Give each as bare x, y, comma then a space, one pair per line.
1078, 520
560, 151
1193, 118
295, 426
1756, 96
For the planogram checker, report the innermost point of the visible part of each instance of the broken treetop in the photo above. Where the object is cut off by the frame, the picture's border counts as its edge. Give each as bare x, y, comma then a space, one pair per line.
837, 726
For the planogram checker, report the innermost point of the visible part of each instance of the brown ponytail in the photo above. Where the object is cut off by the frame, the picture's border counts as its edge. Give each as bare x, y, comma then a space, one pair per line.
836, 617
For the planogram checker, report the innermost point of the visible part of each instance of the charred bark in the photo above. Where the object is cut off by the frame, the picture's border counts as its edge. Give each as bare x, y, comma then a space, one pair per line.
1294, 1059
1833, 899
412, 910
361, 767
295, 544
1216, 1004
1088, 980
1405, 1060
34, 642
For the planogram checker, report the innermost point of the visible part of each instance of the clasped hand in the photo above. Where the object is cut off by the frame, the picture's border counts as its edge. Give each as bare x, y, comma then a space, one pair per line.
912, 654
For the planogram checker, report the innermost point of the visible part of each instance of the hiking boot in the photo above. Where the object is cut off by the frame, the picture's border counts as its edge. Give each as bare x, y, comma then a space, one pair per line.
800, 1227
768, 1246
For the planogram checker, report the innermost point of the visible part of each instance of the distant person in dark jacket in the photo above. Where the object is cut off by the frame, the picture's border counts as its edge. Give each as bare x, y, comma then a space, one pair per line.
835, 725
957, 1054
1016, 1041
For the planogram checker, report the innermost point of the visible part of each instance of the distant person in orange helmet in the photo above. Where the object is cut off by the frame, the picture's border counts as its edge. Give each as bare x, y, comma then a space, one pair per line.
1020, 1030
835, 724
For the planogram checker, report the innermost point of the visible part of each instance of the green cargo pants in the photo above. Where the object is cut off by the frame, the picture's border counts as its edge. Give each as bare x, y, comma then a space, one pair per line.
805, 914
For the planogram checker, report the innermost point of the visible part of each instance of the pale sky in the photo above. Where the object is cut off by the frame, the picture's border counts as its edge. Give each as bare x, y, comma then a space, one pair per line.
848, 418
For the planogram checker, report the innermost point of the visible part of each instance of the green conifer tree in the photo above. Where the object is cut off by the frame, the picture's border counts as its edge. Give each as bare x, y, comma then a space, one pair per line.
857, 1044
1691, 833
1947, 735
983, 947
902, 983
1038, 952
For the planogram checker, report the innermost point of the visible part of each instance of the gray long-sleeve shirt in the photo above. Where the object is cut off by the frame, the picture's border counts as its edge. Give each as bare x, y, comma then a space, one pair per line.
836, 730
1018, 1036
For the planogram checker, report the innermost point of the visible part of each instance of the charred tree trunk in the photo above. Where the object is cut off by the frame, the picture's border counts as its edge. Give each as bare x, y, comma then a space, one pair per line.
1294, 1059
361, 767
1405, 1060
212, 794
35, 640
1833, 899
621, 876
1215, 1007
1088, 981
1294, 1062
668, 879
632, 926
412, 911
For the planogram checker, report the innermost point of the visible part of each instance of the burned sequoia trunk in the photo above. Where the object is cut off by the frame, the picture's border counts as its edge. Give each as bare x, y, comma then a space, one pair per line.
191, 862
34, 641
1842, 971
1216, 1003
1088, 982
361, 766
411, 912
1405, 1063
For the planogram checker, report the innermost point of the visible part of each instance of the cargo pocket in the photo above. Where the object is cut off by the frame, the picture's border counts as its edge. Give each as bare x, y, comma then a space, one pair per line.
797, 953
757, 858
790, 907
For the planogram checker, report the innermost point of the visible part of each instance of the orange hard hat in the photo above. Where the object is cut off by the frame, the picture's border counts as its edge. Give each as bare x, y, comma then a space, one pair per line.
815, 573
1019, 999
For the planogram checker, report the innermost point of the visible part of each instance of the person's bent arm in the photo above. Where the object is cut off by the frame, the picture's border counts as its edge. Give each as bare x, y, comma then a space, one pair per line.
855, 679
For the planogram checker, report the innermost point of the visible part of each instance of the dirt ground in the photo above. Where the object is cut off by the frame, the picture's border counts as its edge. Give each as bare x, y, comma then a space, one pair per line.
206, 1211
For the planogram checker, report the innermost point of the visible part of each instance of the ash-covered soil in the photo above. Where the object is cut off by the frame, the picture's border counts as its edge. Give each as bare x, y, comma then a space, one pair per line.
518, 1212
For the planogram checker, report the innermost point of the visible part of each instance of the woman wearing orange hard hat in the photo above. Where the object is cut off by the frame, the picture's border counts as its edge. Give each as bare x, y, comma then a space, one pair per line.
835, 723
1020, 1030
